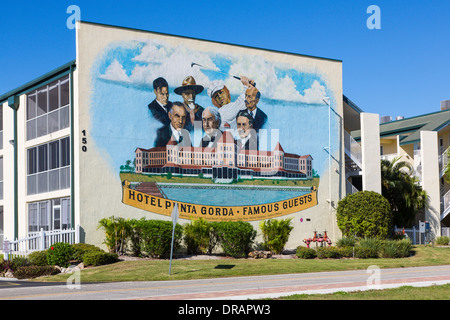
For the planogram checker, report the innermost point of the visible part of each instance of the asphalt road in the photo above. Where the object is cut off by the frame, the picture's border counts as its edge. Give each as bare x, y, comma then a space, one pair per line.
236, 288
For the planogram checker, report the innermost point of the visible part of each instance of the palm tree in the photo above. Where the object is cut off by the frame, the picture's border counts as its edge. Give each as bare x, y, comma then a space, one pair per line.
400, 187
447, 166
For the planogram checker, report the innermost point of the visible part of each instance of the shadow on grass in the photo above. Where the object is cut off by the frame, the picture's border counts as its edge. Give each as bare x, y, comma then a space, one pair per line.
224, 266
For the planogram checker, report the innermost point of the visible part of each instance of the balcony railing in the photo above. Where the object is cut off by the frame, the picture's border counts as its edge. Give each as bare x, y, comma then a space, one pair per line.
445, 205
353, 149
443, 161
388, 157
350, 188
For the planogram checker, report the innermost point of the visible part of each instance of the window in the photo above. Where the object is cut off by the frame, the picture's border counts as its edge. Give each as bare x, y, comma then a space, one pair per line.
1, 127
1, 226
48, 108
48, 167
1, 178
49, 215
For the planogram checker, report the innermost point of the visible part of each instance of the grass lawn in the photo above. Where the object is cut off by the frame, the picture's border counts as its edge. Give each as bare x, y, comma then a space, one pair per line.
151, 270
441, 292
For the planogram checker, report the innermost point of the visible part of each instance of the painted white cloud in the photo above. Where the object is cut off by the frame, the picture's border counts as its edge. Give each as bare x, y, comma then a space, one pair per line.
115, 72
174, 64
152, 53
315, 94
264, 74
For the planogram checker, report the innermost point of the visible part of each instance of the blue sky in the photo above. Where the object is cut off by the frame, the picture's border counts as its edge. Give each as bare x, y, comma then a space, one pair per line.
401, 69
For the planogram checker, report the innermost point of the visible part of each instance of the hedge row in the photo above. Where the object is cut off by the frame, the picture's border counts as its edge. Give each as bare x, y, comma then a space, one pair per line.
362, 249
42, 263
154, 237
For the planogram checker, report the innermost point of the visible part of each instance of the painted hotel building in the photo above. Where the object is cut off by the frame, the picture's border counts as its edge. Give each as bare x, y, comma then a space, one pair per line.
212, 162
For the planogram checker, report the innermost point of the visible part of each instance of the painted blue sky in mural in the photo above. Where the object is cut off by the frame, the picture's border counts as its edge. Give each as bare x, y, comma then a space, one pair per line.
400, 69
122, 82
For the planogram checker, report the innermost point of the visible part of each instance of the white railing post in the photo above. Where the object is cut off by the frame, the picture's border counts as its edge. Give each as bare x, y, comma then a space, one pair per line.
42, 240
414, 234
6, 249
37, 241
77, 233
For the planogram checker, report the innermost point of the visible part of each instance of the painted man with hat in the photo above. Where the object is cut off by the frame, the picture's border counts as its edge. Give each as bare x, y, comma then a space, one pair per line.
188, 90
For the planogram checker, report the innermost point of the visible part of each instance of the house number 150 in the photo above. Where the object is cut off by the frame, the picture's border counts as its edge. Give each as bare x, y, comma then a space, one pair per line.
84, 141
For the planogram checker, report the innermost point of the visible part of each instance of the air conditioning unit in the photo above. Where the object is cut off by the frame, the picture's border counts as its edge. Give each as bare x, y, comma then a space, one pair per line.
445, 104
385, 119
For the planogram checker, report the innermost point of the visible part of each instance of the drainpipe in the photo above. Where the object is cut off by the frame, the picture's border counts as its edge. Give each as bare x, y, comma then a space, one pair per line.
72, 157
14, 102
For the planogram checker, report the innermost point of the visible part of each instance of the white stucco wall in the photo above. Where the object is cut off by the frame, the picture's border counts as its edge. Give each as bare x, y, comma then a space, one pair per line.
430, 179
370, 147
99, 193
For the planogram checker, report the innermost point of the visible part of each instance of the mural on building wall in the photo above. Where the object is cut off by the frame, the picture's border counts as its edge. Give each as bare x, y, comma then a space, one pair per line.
226, 136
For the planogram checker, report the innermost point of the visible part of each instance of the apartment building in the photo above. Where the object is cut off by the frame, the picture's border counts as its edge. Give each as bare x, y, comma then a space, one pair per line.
423, 141
35, 155
72, 138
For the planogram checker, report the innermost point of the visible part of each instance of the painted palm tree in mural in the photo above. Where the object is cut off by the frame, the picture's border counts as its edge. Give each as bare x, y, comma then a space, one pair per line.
401, 188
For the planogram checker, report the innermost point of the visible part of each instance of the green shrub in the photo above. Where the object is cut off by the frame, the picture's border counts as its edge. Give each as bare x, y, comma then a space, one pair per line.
38, 258
305, 253
365, 253
79, 249
198, 237
99, 258
21, 261
389, 250
346, 252
28, 272
117, 231
396, 248
276, 234
346, 242
405, 248
365, 214
368, 248
371, 243
235, 237
442, 240
135, 236
6, 265
157, 237
153, 237
328, 253
59, 254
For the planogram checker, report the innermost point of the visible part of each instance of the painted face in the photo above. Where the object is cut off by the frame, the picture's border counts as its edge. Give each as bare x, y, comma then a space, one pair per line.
250, 98
188, 96
178, 117
221, 97
162, 95
210, 124
243, 126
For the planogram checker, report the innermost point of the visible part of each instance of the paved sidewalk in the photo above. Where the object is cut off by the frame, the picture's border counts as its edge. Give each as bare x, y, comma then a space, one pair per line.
277, 292
236, 288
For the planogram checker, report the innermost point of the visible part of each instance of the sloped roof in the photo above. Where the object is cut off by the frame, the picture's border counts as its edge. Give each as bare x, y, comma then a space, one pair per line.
411, 127
226, 137
278, 147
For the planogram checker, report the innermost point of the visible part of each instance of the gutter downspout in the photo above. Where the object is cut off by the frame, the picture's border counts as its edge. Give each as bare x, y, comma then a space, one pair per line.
72, 148
13, 103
